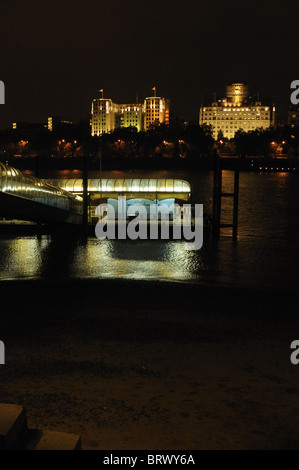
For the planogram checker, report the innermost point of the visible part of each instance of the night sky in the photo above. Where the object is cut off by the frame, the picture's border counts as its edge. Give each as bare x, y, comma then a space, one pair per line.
56, 55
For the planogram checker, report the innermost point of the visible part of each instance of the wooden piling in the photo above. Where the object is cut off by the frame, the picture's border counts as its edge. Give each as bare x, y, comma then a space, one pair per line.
218, 195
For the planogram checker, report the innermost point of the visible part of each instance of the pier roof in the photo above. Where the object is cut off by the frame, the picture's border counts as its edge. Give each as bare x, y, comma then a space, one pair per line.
120, 185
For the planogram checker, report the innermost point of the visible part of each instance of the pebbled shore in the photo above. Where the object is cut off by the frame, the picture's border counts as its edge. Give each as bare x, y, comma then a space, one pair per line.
142, 365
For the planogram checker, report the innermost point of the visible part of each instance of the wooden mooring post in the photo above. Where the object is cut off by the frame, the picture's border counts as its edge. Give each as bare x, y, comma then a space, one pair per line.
217, 201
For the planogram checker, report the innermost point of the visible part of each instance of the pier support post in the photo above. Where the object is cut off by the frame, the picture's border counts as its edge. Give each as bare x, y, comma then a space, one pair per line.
236, 204
217, 200
217, 185
85, 195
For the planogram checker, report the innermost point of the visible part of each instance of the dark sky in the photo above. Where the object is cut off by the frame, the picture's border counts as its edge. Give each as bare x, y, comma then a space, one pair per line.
56, 55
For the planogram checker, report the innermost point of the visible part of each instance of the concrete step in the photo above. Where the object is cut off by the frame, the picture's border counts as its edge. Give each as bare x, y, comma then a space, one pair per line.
53, 440
35, 439
13, 425
14, 433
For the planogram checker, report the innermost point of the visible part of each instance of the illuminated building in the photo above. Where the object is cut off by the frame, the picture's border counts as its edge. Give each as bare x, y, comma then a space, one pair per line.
236, 111
28, 130
54, 121
156, 111
106, 115
131, 115
293, 116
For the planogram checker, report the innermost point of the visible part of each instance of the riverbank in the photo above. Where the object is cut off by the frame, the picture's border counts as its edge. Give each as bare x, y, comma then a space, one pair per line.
46, 167
139, 365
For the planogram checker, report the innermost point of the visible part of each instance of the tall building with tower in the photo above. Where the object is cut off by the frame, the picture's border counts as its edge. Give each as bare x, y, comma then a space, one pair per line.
156, 110
106, 116
236, 111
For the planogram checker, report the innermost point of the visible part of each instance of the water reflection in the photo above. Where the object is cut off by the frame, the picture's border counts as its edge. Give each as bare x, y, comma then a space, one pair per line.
133, 260
265, 255
57, 256
20, 257
221, 262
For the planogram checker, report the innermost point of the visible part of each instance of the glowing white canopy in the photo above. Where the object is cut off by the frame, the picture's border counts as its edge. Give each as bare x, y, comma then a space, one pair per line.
119, 185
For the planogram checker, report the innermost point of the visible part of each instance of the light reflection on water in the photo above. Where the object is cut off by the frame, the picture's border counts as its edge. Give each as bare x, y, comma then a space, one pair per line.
266, 253
221, 262
49, 257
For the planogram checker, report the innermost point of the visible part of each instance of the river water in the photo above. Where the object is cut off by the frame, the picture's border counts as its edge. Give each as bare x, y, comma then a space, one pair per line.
265, 255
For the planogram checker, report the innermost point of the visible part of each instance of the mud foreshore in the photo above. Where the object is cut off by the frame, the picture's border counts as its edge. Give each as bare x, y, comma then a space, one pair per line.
152, 365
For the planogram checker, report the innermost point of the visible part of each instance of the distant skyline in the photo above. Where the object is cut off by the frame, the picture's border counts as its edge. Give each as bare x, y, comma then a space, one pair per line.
54, 59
